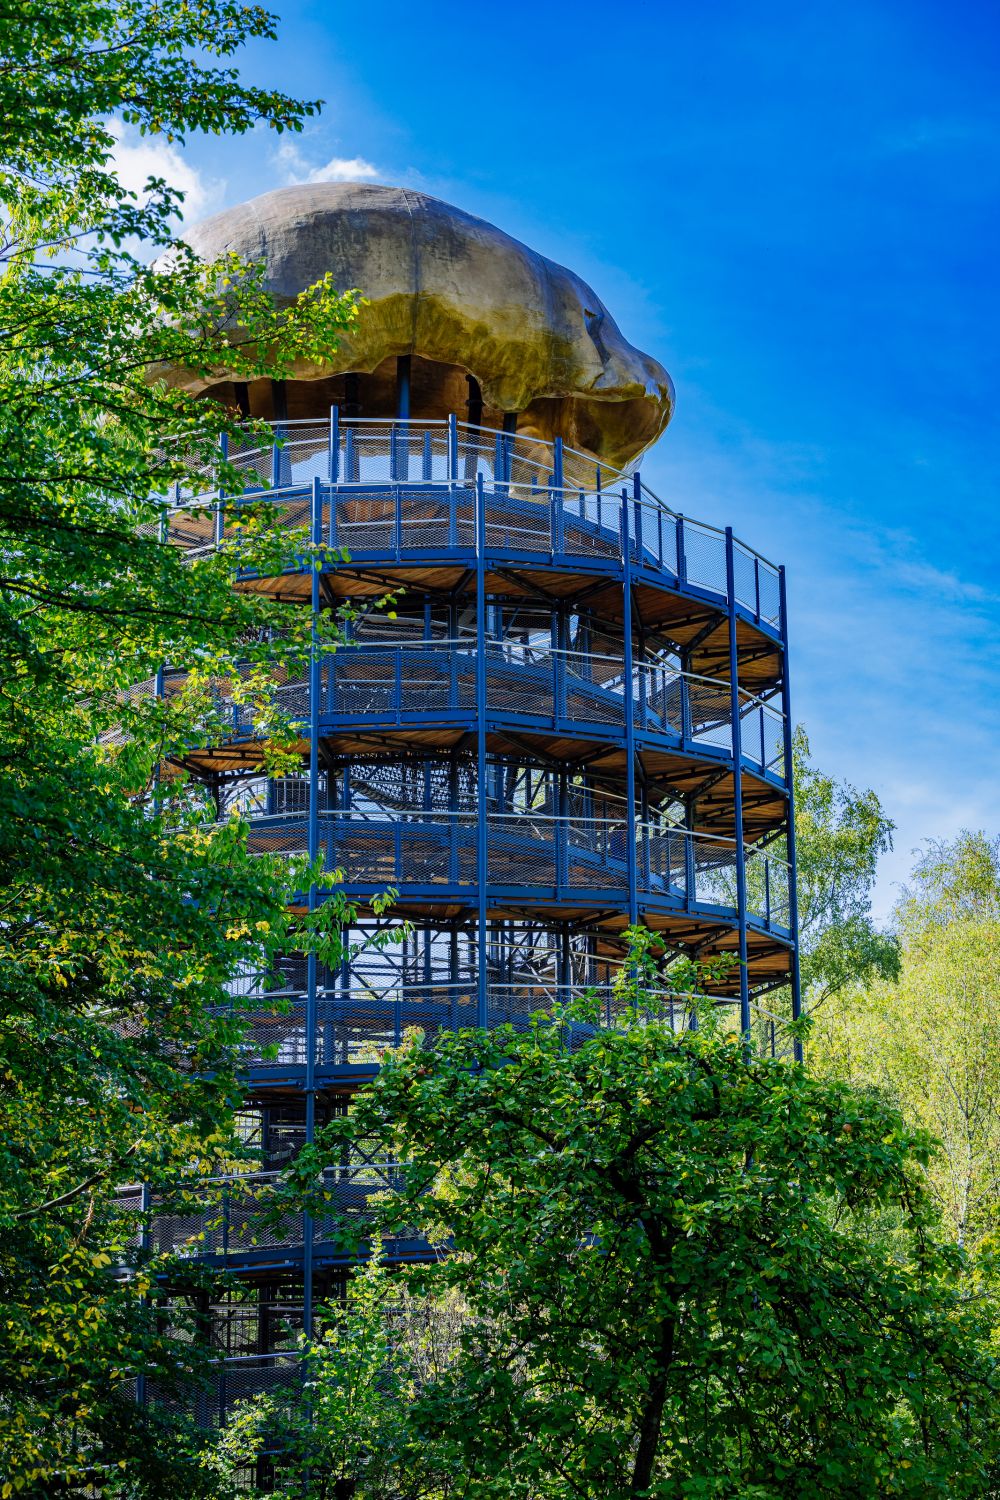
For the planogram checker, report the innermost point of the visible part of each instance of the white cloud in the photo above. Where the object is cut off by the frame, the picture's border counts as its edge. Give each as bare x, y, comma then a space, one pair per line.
137, 158
338, 169
345, 169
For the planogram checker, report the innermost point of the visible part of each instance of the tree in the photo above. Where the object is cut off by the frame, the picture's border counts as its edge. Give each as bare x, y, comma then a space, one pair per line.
128, 904
664, 1248
931, 1040
840, 834
344, 1431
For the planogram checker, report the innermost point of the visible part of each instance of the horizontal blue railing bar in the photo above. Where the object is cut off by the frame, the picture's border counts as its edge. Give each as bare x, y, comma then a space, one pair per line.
434, 681
531, 853
358, 1020
397, 490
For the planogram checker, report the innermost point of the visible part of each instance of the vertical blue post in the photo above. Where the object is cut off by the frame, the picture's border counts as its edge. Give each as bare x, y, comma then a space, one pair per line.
403, 362
509, 439
454, 833
220, 512
631, 830
141, 1390
644, 813
793, 869
557, 495
560, 641
737, 751
333, 467
312, 1026
333, 473
637, 502
452, 448
481, 813
686, 735
453, 480
690, 873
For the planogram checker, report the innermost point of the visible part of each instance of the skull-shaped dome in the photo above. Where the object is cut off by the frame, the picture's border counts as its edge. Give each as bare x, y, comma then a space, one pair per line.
463, 299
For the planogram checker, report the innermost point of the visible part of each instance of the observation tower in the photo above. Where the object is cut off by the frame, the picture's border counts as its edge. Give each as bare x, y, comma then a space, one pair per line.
577, 720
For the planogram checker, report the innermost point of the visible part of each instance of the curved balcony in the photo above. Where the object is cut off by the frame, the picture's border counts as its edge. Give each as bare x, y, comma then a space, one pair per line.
373, 689
531, 857
228, 1219
578, 759
358, 1019
406, 493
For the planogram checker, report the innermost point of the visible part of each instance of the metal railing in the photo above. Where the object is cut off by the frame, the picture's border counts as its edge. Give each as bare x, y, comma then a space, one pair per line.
360, 1020
532, 851
428, 680
395, 488
236, 1216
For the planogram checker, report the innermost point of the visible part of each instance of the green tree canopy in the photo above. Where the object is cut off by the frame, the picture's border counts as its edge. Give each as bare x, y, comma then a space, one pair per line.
930, 1041
673, 1291
129, 907
840, 835
345, 1429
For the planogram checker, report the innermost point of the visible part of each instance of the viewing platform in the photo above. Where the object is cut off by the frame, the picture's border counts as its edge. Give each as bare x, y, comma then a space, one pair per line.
572, 720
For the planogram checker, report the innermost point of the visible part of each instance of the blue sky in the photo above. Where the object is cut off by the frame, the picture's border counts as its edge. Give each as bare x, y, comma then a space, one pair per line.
794, 207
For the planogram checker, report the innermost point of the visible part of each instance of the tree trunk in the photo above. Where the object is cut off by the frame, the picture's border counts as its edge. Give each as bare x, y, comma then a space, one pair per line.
652, 1414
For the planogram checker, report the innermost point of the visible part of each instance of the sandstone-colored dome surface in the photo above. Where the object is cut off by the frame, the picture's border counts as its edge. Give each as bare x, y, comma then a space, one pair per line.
445, 286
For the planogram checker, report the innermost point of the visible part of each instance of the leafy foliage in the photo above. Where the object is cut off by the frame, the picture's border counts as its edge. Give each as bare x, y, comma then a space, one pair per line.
129, 904
344, 1430
662, 1244
840, 834
931, 1040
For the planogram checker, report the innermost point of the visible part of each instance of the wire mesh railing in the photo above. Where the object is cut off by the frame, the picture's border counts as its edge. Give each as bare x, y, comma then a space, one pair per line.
428, 681
355, 1026
395, 488
239, 1216
527, 849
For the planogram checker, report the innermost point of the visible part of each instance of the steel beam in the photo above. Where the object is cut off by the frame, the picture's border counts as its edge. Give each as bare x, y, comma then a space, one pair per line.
793, 867
741, 873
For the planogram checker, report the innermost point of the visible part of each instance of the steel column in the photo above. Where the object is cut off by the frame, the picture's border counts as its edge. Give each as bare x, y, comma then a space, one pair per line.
334, 447
793, 868
403, 364
452, 449
631, 829
481, 767
737, 749
311, 1017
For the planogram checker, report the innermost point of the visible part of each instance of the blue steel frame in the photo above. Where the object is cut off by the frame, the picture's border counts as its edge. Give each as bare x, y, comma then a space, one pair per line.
634, 563
615, 539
